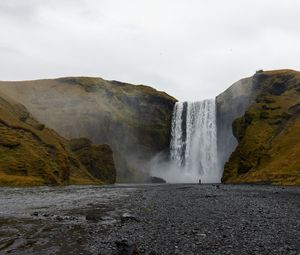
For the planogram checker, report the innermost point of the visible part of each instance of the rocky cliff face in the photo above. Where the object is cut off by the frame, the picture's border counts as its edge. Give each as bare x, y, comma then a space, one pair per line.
134, 120
268, 134
230, 105
97, 159
31, 154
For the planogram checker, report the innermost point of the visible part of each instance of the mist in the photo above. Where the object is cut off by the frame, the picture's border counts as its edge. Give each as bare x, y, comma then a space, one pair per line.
169, 170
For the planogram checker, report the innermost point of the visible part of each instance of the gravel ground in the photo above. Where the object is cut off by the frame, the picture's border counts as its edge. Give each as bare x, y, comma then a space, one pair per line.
208, 219
165, 219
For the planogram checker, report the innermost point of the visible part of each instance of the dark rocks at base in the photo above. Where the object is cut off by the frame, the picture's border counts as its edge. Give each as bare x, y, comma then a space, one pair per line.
174, 219
126, 248
102, 217
210, 196
217, 186
35, 214
154, 179
105, 219
59, 218
129, 217
153, 253
93, 217
220, 219
97, 217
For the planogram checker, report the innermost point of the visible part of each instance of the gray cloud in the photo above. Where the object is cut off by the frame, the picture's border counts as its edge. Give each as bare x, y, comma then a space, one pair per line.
191, 49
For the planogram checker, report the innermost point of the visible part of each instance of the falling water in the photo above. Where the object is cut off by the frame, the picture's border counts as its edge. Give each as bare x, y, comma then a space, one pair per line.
194, 141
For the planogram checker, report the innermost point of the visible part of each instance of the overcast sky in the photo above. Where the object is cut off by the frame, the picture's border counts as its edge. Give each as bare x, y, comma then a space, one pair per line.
192, 49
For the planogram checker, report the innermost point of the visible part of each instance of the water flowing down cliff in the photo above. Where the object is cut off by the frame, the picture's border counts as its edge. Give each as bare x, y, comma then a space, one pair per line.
194, 141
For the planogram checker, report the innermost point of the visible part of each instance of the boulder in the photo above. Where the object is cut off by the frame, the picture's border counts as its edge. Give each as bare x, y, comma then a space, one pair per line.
154, 179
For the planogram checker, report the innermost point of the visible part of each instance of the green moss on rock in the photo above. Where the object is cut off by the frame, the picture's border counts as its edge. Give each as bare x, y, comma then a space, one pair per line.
269, 133
97, 159
31, 154
134, 120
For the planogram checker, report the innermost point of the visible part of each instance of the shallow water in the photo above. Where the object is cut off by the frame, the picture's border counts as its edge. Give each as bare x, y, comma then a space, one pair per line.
53, 220
20, 202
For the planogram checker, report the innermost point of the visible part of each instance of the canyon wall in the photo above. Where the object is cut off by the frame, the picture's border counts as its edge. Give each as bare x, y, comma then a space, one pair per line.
135, 120
230, 105
268, 133
257, 129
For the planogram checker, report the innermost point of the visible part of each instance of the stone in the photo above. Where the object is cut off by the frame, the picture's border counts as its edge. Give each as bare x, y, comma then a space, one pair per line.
124, 247
154, 179
129, 217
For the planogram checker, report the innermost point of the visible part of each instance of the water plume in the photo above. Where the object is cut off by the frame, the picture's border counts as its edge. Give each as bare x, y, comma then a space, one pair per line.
193, 147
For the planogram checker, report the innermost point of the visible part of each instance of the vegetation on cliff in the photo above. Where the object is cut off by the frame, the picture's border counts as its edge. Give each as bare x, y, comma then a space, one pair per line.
31, 154
268, 133
134, 120
97, 159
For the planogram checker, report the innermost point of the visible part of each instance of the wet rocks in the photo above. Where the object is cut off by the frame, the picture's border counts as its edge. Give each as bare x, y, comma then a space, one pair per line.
154, 179
166, 219
93, 217
35, 214
207, 219
100, 218
129, 217
124, 247
59, 218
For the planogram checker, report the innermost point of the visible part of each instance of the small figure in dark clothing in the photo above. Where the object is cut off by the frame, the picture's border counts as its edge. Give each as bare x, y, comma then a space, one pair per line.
199, 181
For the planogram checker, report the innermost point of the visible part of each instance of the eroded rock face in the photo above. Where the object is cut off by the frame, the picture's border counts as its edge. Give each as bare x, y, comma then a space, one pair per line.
230, 105
97, 159
268, 133
26, 150
134, 120
32, 154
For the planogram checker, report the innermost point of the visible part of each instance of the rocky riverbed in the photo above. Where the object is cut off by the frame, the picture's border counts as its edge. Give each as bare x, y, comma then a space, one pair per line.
150, 219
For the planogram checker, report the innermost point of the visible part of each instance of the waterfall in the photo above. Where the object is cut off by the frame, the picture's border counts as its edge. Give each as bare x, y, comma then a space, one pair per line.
193, 144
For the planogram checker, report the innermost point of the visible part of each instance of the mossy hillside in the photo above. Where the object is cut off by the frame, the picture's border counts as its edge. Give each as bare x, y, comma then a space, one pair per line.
134, 120
24, 149
97, 159
141, 108
139, 124
269, 133
31, 154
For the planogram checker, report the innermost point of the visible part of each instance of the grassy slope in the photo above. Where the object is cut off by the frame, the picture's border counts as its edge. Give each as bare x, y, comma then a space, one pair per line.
139, 120
138, 107
269, 133
135, 120
31, 154
98, 159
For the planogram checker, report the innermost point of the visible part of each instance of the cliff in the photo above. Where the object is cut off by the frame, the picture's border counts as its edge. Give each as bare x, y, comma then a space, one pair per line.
32, 154
230, 105
268, 133
97, 159
134, 120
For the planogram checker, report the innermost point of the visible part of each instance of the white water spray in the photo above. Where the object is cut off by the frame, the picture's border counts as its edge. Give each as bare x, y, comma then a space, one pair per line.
194, 142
